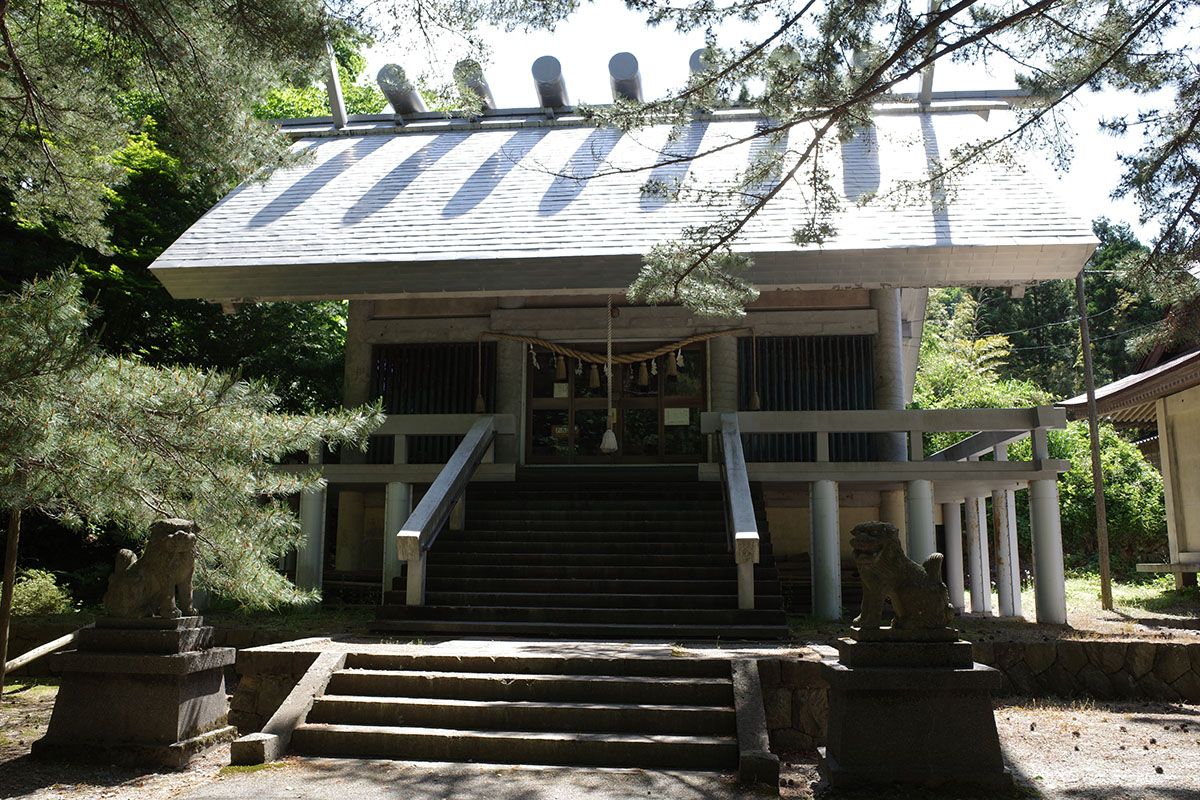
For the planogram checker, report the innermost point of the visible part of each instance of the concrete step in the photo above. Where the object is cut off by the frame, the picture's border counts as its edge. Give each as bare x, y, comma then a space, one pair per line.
551, 688
524, 503
553, 585
435, 570
571, 510
648, 666
531, 522
650, 751
521, 557
568, 545
585, 616
568, 600
576, 630
523, 715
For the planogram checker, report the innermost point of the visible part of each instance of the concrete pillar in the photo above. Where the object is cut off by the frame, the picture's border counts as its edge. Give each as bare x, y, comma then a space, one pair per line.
825, 551
1050, 592
952, 526
1004, 523
350, 523
977, 556
889, 370
510, 397
922, 536
356, 390
723, 373
397, 505
310, 555
892, 509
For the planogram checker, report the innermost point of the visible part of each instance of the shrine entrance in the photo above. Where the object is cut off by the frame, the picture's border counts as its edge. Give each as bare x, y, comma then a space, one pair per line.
656, 402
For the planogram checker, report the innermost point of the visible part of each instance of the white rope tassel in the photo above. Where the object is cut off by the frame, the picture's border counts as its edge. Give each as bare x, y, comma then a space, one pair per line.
608, 444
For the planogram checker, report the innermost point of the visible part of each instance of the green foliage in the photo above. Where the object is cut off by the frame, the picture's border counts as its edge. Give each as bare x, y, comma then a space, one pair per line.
1043, 326
89, 439
1133, 494
297, 347
959, 370
37, 593
308, 98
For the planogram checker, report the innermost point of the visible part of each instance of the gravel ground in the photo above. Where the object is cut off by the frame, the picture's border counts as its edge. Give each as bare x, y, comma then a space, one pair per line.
1057, 750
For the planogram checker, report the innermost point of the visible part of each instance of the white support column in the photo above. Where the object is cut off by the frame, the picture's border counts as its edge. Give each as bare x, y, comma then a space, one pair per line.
1050, 592
310, 555
892, 509
1004, 523
397, 505
977, 556
952, 525
826, 551
922, 536
889, 369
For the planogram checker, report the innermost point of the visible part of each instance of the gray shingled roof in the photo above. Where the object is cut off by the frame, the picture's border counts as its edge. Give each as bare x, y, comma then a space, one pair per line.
438, 208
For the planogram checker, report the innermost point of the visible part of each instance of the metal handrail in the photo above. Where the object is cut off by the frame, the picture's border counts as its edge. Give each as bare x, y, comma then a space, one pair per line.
422, 527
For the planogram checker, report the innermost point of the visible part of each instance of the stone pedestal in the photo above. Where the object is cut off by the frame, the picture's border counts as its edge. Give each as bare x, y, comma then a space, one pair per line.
142, 691
912, 713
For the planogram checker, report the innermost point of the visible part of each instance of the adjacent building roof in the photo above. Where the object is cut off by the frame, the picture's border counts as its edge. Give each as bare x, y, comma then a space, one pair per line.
1131, 400
509, 204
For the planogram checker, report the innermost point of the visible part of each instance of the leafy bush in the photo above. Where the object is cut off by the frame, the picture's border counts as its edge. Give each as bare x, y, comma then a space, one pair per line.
1133, 493
36, 592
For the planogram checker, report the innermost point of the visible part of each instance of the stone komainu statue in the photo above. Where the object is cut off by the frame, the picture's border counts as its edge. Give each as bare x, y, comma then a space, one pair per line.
142, 587
918, 595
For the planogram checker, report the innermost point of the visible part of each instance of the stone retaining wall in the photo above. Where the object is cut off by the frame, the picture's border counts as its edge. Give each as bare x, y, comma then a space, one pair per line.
797, 705
266, 679
1104, 670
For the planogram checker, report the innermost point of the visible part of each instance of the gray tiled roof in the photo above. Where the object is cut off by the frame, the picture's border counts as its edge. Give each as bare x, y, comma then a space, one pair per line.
488, 210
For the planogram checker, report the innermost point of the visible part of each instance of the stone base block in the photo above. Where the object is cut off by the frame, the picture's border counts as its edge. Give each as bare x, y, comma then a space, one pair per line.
139, 693
929, 726
175, 755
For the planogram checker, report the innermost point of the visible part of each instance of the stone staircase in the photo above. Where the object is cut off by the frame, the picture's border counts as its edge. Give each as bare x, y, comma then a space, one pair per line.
553, 556
665, 713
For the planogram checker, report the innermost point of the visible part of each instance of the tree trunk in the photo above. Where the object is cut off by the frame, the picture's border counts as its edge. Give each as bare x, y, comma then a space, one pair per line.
10, 575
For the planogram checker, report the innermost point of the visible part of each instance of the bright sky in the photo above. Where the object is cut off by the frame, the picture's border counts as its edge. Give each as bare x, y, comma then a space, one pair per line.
586, 42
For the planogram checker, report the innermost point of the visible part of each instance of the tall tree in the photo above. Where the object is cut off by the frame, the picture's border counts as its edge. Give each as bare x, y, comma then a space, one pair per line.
822, 66
1043, 326
89, 439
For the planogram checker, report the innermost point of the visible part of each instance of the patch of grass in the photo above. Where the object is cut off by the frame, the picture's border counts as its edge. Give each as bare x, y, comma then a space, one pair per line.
243, 769
315, 619
29, 689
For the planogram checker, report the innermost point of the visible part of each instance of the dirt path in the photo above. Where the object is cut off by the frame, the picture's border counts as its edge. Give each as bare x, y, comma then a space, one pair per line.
1057, 750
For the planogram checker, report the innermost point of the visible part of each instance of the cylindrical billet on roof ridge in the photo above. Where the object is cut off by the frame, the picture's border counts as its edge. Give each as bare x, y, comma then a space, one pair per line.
403, 96
697, 63
548, 80
624, 76
469, 75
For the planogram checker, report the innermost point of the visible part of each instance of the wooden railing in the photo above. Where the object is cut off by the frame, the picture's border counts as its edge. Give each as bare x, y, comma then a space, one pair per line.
421, 528
740, 523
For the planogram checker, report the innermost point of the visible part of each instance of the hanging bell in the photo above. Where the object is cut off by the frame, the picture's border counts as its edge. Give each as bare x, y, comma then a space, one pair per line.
594, 377
560, 368
643, 375
672, 369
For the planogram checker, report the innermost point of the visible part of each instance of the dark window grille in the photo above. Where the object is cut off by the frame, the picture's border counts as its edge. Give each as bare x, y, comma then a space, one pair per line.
429, 379
808, 373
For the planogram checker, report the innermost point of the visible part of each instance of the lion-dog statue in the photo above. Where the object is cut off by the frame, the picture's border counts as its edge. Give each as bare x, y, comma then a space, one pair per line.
142, 587
918, 595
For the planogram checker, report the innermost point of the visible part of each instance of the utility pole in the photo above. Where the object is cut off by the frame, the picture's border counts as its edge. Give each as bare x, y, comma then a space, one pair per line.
1094, 428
